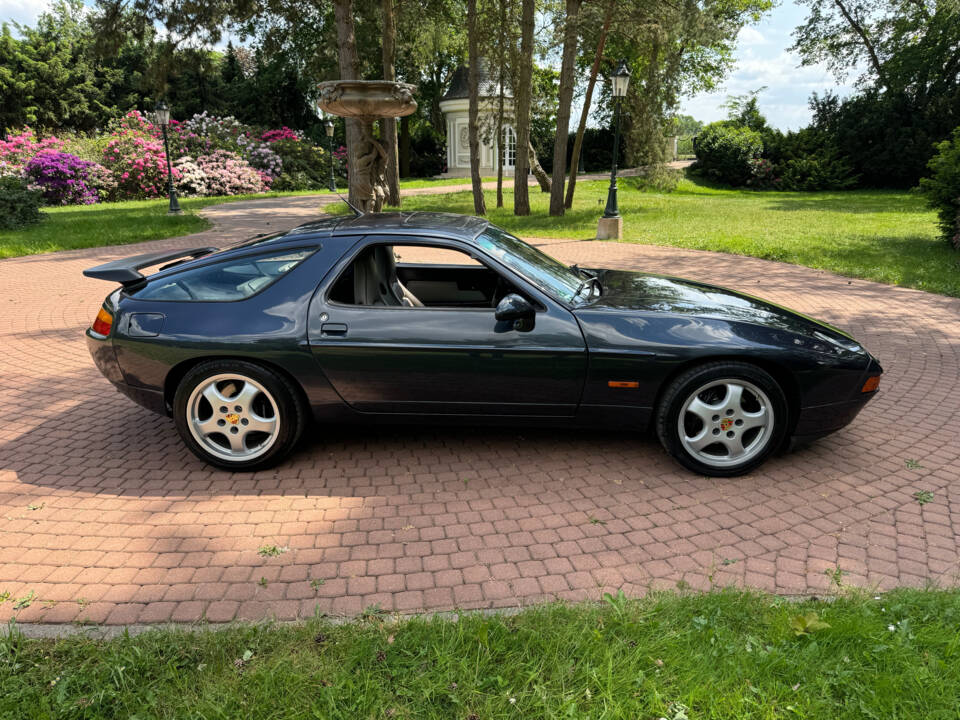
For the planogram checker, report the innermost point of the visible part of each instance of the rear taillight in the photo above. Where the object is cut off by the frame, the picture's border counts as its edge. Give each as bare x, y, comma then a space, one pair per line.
103, 322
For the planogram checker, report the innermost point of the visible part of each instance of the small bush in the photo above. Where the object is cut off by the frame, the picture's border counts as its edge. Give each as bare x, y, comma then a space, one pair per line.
942, 188
724, 152
658, 178
62, 178
19, 204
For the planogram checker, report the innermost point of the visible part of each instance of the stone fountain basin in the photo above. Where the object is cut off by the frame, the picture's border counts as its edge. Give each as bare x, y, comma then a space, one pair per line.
367, 99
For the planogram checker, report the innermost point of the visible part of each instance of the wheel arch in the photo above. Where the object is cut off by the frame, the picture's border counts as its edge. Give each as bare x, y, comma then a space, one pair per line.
777, 371
180, 370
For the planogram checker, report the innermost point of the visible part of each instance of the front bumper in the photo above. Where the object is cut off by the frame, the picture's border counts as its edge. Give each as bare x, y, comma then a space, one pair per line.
815, 422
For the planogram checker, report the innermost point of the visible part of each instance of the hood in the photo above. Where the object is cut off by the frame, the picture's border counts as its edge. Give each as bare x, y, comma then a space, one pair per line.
626, 291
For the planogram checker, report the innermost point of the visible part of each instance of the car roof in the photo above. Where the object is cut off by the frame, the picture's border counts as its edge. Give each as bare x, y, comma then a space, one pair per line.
462, 227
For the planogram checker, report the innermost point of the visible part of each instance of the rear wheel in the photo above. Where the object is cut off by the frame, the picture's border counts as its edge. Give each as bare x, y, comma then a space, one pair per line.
722, 419
237, 415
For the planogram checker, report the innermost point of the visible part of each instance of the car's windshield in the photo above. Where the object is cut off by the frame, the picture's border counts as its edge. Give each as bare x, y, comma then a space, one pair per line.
551, 276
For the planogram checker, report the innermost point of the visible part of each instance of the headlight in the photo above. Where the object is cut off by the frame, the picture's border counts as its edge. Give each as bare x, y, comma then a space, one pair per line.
839, 343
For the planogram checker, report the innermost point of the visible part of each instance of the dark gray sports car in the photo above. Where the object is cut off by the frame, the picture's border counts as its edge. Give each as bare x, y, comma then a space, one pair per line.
440, 317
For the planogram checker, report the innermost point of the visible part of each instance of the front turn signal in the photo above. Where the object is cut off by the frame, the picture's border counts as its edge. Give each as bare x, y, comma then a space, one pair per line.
103, 322
871, 384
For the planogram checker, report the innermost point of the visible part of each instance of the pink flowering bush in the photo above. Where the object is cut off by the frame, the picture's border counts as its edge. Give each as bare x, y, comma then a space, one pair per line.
139, 165
17, 150
62, 178
209, 155
229, 174
284, 133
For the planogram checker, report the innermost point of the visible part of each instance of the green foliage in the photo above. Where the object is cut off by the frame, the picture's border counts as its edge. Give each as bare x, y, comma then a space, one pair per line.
19, 205
908, 54
724, 152
942, 188
305, 166
657, 178
880, 235
696, 656
807, 623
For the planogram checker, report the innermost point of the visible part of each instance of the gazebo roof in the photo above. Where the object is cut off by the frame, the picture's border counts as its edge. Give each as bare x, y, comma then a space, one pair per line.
460, 87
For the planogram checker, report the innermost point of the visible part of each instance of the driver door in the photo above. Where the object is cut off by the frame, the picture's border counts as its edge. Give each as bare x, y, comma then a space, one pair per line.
450, 355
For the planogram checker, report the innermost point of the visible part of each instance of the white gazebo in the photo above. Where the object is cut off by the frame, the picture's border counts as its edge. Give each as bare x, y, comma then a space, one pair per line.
455, 106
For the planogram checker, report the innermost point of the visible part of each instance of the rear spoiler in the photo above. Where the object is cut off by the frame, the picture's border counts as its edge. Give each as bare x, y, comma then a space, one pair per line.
126, 271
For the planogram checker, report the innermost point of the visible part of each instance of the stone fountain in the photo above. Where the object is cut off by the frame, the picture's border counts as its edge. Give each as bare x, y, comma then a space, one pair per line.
367, 101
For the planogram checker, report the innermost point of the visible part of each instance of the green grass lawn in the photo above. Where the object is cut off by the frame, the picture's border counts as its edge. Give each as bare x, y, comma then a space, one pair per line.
697, 656
82, 226
879, 235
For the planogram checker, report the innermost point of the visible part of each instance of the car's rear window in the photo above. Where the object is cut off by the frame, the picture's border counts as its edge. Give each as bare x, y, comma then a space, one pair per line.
234, 279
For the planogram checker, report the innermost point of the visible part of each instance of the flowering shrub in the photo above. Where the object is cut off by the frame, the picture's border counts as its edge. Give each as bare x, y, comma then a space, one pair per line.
284, 133
217, 133
18, 150
139, 165
762, 174
19, 204
210, 156
261, 156
229, 174
190, 177
62, 178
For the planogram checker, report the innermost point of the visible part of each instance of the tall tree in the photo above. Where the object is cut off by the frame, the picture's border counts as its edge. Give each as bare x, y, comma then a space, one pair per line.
347, 51
567, 82
587, 99
523, 95
473, 81
388, 126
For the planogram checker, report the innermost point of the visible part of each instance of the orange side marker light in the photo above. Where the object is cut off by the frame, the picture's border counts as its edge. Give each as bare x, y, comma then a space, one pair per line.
623, 384
871, 384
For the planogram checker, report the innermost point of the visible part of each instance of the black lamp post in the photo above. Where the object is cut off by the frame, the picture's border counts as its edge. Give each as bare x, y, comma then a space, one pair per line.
620, 81
162, 117
329, 128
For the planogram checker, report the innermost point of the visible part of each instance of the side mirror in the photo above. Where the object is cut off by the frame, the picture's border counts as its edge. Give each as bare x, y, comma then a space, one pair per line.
514, 307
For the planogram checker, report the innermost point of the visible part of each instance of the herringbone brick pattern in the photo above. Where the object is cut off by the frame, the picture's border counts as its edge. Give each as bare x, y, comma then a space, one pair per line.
105, 517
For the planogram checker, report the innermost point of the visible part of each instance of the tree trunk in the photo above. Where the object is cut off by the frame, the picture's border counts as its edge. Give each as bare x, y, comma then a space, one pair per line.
473, 80
521, 196
585, 112
502, 39
388, 126
538, 172
405, 146
347, 51
500, 153
565, 98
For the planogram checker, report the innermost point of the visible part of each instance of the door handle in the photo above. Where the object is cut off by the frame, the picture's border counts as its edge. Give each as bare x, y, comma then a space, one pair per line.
333, 329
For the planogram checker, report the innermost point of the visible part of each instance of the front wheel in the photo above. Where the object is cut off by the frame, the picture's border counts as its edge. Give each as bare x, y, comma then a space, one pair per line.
237, 415
723, 418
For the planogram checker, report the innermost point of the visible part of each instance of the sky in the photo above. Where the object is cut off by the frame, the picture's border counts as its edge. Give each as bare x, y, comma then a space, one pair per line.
762, 59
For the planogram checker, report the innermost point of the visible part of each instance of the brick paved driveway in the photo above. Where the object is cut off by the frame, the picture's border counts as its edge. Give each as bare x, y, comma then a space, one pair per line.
106, 518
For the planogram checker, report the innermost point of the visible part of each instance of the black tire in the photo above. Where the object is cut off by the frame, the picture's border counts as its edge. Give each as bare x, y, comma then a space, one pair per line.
273, 398
760, 392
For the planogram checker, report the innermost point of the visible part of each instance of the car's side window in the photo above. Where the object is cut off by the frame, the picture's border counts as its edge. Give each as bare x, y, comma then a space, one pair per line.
418, 276
235, 279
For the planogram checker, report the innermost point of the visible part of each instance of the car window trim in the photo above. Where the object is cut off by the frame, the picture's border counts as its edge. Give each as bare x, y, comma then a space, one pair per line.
429, 241
150, 278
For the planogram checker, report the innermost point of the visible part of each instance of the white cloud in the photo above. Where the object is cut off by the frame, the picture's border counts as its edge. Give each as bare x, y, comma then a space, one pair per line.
750, 36
24, 12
